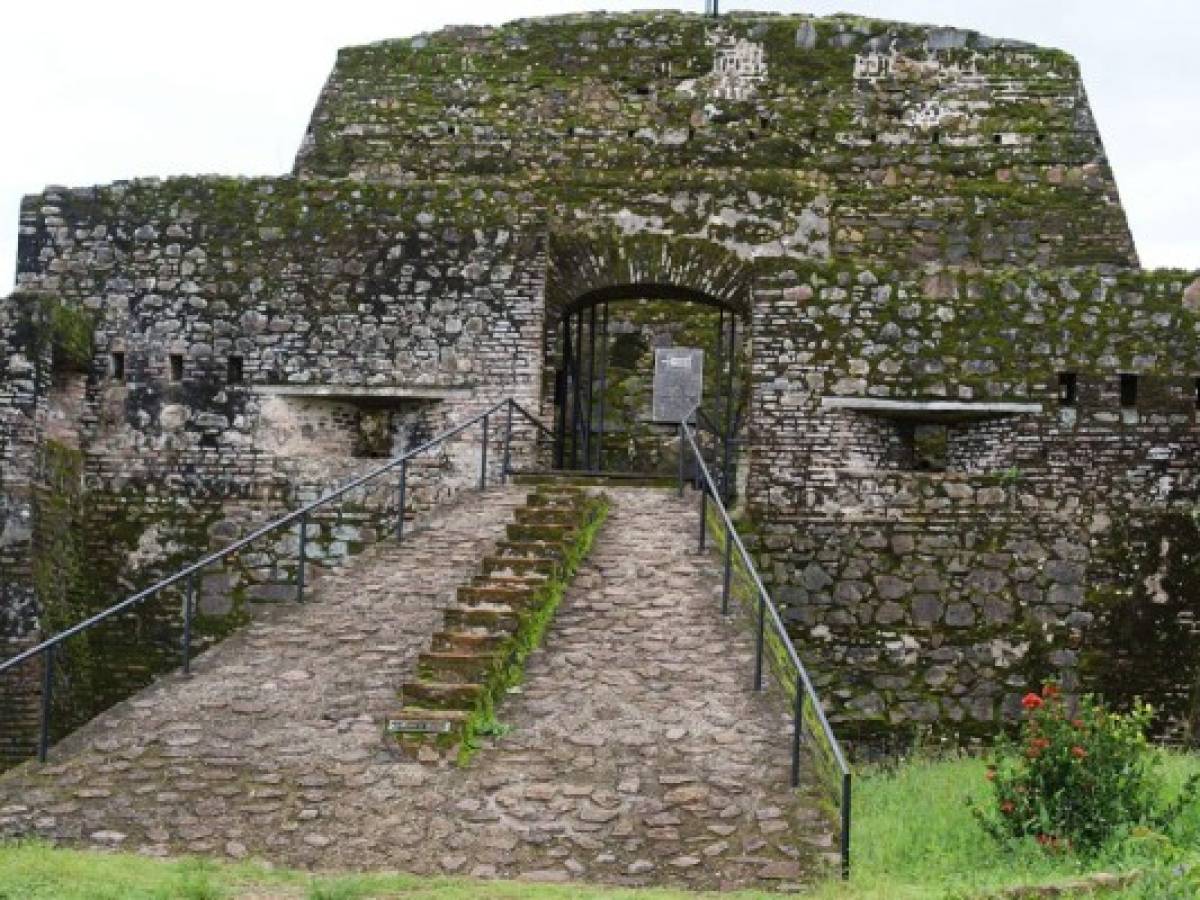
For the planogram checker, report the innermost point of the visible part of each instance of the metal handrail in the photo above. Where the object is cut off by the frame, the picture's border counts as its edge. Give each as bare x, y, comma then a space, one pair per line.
188, 573
766, 608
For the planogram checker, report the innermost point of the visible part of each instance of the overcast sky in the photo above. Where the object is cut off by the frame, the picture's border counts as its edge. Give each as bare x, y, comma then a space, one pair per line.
91, 92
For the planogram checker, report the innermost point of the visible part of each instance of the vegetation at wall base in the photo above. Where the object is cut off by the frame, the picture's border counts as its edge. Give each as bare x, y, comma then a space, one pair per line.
1077, 776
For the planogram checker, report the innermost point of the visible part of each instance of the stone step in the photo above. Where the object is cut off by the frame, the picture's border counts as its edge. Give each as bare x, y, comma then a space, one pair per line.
515, 565
530, 580
475, 641
491, 595
556, 500
441, 695
531, 549
492, 620
565, 514
564, 478
456, 667
559, 534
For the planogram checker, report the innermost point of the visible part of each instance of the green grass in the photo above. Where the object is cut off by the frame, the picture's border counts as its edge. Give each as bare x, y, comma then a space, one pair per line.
34, 871
914, 837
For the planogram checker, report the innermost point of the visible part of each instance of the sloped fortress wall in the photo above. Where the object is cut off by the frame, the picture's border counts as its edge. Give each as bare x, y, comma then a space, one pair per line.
898, 215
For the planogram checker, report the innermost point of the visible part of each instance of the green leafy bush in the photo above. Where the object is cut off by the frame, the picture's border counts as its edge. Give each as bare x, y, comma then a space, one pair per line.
1077, 777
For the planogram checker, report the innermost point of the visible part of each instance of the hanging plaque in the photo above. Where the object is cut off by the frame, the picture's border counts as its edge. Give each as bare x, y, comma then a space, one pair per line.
678, 382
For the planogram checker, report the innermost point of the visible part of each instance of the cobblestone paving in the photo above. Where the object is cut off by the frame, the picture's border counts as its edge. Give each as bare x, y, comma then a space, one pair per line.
637, 753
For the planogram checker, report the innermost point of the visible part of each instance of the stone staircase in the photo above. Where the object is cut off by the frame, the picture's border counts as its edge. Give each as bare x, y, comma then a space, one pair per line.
501, 614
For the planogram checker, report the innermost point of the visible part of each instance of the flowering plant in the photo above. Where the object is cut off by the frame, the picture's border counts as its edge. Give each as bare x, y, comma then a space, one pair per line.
1074, 777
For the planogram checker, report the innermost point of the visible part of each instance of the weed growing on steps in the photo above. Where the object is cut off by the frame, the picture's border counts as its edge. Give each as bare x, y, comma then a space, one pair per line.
483, 722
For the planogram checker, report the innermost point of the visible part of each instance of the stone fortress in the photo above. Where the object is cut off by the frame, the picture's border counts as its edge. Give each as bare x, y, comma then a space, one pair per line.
969, 455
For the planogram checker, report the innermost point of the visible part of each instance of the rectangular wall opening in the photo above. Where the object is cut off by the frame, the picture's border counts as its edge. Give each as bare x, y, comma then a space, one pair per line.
927, 446
1068, 389
235, 370
176, 367
117, 366
1129, 391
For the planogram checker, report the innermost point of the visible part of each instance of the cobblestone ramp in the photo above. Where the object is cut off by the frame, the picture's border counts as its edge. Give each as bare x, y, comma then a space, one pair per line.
637, 752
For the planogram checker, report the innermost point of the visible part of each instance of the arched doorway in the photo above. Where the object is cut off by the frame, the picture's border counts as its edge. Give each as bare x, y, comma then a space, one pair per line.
613, 300
629, 362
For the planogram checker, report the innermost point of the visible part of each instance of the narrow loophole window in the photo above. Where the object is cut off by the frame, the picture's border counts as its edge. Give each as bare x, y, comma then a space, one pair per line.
1068, 389
236, 370
118, 366
176, 367
1196, 388
1129, 390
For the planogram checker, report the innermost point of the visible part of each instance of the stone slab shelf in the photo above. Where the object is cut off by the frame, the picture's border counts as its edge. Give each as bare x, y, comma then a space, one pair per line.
931, 410
501, 615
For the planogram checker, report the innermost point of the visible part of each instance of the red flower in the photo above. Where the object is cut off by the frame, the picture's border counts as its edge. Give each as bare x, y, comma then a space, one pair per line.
1007, 807
1049, 690
990, 775
1078, 752
1031, 701
1077, 724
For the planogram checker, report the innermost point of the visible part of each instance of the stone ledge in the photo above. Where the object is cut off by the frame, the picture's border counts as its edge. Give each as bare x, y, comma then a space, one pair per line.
938, 410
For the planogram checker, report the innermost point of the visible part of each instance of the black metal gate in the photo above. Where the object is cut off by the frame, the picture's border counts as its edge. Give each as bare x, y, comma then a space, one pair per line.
581, 385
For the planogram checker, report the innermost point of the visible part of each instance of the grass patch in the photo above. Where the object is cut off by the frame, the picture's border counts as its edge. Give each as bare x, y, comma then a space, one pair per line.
35, 871
915, 837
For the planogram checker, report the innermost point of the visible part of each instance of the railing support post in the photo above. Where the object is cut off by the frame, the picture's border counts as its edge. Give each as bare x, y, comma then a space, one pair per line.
189, 598
483, 455
681, 439
727, 584
703, 515
758, 652
303, 557
508, 420
401, 501
846, 801
797, 731
47, 699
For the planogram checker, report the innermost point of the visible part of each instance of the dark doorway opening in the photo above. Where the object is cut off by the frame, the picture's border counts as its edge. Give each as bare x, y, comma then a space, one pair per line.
605, 347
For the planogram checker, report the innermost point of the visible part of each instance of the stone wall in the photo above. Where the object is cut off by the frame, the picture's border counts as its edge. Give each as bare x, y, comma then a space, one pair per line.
897, 216
244, 346
782, 135
930, 597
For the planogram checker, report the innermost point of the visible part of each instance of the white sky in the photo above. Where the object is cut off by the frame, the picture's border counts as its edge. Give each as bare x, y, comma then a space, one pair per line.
96, 90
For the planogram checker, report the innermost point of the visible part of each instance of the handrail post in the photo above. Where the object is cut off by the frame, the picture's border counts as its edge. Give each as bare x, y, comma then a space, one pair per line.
188, 599
508, 425
758, 653
846, 801
47, 689
681, 438
401, 500
303, 557
703, 515
483, 455
727, 584
797, 729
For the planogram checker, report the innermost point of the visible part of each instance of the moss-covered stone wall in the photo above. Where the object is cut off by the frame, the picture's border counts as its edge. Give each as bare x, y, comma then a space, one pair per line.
934, 598
895, 214
875, 139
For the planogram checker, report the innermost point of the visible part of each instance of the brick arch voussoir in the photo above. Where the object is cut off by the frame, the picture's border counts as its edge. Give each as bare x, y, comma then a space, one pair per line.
584, 269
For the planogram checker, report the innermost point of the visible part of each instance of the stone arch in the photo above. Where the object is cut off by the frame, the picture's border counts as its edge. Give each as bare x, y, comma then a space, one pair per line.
584, 269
